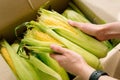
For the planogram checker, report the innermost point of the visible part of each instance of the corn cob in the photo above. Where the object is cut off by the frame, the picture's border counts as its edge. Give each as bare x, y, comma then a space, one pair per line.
90, 58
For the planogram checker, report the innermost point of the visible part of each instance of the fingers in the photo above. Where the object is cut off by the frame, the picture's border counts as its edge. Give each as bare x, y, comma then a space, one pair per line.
63, 51
57, 57
62, 55
88, 28
59, 49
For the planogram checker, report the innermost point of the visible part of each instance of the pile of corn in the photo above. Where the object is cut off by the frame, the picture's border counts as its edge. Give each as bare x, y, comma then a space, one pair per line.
29, 57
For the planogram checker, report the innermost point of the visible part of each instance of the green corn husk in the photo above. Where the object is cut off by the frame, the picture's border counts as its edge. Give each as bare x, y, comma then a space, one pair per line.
108, 44
37, 49
114, 42
45, 57
90, 58
34, 42
44, 71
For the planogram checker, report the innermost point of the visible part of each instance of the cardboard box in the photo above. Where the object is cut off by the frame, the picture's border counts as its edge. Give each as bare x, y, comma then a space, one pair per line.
15, 12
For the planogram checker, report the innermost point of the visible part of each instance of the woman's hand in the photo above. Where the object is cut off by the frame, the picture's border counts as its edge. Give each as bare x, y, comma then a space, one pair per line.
101, 32
72, 62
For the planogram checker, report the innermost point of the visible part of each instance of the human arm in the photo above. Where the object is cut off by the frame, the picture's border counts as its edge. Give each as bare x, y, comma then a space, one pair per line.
74, 63
101, 32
